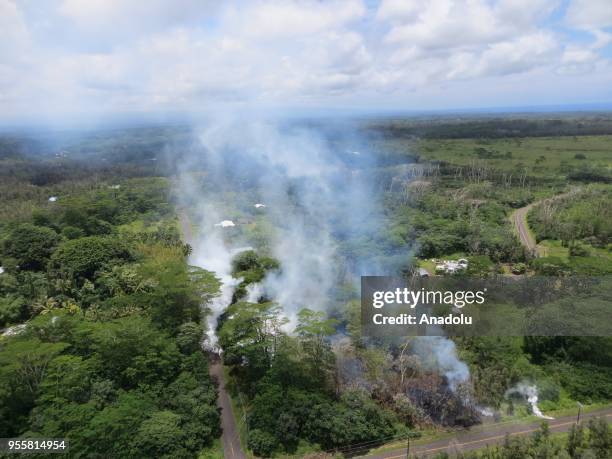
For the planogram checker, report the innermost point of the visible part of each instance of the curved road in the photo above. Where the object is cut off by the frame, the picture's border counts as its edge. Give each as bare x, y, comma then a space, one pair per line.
495, 435
229, 436
519, 220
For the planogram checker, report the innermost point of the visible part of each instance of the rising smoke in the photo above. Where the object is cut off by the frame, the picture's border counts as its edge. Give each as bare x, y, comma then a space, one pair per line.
321, 200
312, 201
530, 393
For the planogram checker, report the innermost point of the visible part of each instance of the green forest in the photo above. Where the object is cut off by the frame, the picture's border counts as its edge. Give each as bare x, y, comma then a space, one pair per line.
109, 355
103, 316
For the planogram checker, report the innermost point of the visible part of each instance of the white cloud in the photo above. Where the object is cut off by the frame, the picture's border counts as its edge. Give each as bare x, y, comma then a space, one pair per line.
291, 20
451, 24
107, 17
160, 55
589, 14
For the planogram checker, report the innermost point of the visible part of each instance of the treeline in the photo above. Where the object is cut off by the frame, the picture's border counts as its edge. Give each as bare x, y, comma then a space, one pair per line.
116, 145
491, 127
106, 350
584, 216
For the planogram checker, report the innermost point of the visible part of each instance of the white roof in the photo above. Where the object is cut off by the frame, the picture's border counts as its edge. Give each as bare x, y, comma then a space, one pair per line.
225, 224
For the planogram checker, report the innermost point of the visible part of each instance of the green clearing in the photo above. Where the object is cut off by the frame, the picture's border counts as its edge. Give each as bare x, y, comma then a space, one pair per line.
540, 156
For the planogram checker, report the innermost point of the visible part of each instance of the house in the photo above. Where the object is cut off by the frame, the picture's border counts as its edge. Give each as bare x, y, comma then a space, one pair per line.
225, 224
451, 266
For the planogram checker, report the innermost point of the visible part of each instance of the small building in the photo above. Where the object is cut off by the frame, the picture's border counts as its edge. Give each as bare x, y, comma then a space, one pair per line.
225, 224
451, 266
422, 272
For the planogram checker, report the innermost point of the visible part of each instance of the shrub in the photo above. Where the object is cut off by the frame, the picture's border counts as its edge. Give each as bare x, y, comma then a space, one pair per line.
82, 257
30, 246
577, 250
261, 443
72, 232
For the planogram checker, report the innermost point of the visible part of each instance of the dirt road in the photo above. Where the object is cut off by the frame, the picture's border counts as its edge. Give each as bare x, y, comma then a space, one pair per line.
474, 440
519, 220
229, 437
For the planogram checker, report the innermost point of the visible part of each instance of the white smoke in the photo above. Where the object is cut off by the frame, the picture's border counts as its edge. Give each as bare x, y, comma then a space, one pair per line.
307, 191
299, 178
440, 354
530, 393
211, 253
314, 201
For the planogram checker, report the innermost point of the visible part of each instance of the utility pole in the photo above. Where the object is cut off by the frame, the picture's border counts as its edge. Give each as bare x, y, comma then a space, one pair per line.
408, 447
410, 435
579, 409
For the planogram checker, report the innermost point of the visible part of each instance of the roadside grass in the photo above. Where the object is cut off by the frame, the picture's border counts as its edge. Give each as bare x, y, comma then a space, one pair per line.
214, 451
430, 435
551, 248
238, 411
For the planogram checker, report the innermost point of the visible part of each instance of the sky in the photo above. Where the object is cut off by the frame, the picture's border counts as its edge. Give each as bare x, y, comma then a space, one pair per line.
61, 58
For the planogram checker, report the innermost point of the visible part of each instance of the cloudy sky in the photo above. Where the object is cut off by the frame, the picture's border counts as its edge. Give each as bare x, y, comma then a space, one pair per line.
118, 56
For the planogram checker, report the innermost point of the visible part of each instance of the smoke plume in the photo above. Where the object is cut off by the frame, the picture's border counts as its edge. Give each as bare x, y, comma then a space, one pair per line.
308, 196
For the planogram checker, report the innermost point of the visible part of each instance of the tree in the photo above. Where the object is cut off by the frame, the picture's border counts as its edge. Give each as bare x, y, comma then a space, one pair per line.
132, 352
179, 294
261, 443
313, 331
13, 309
23, 366
160, 436
79, 259
600, 437
576, 441
112, 429
189, 337
30, 246
249, 335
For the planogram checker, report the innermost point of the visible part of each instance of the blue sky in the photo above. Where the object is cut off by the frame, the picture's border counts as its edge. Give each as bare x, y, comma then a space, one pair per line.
100, 57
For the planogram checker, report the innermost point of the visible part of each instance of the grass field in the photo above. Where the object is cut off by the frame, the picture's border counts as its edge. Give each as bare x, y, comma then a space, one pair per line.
541, 156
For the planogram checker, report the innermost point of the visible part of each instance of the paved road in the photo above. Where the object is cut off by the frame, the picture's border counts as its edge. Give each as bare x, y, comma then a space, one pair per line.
229, 437
471, 440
